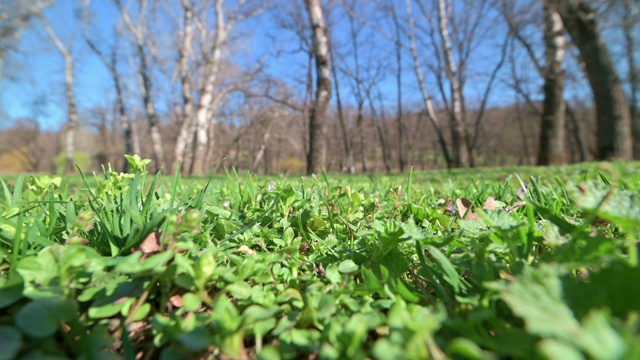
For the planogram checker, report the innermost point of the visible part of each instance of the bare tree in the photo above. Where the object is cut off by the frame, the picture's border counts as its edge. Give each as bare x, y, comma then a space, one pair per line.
426, 98
377, 118
555, 110
459, 130
111, 63
360, 90
346, 141
613, 118
72, 112
187, 123
139, 33
398, 50
455, 38
195, 144
552, 134
629, 21
15, 18
211, 69
318, 119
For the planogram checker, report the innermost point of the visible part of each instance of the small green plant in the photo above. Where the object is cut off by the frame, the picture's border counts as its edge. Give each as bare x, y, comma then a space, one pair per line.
538, 264
136, 163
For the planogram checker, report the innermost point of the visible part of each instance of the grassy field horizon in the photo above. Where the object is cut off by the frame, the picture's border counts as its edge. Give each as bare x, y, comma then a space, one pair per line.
536, 262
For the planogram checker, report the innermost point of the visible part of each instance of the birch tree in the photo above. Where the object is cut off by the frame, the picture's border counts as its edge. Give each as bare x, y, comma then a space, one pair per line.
318, 117
459, 130
72, 112
139, 33
187, 125
630, 20
612, 111
552, 132
555, 111
398, 52
131, 145
196, 140
456, 37
426, 97
211, 69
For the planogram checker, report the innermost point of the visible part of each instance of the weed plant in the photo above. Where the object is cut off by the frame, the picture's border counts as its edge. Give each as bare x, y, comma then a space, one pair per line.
529, 263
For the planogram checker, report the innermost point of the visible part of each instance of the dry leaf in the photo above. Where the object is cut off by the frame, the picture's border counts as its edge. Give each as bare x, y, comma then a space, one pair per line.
247, 250
465, 205
490, 204
176, 300
151, 245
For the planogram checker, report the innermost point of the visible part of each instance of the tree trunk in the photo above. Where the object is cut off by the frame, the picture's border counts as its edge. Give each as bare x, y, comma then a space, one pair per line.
318, 118
634, 74
263, 146
187, 128
552, 134
378, 122
125, 122
112, 66
613, 119
578, 133
426, 98
348, 147
459, 131
72, 112
400, 125
144, 79
204, 113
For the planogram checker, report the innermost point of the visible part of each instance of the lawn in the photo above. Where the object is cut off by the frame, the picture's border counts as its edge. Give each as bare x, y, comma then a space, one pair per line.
465, 264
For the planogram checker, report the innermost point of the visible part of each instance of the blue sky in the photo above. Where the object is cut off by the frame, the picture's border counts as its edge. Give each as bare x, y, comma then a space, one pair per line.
36, 87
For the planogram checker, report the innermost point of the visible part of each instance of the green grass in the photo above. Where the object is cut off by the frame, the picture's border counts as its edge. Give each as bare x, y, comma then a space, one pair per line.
328, 266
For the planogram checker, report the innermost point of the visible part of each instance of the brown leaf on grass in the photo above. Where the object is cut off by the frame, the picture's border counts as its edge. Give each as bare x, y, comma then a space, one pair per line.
151, 245
465, 205
176, 301
490, 204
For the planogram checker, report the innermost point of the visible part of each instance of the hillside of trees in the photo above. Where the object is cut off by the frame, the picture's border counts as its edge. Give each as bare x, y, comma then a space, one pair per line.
346, 85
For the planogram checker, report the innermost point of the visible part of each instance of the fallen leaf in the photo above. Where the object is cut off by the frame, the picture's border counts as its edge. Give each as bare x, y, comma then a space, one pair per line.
151, 245
247, 250
176, 300
490, 204
465, 205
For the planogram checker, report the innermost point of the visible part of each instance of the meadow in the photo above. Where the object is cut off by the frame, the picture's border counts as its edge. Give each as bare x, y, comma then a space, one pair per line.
466, 264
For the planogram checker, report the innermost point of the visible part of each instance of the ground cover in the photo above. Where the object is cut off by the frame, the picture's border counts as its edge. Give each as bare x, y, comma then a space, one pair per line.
469, 264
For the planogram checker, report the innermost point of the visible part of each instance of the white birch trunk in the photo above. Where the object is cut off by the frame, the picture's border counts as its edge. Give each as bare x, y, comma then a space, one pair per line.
317, 125
144, 79
72, 112
461, 150
187, 127
203, 112
426, 98
552, 135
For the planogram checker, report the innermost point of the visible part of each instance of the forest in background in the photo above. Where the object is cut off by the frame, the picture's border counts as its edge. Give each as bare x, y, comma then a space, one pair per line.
353, 86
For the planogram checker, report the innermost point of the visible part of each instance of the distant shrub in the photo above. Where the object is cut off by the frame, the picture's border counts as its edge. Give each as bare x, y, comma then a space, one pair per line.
292, 165
79, 157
